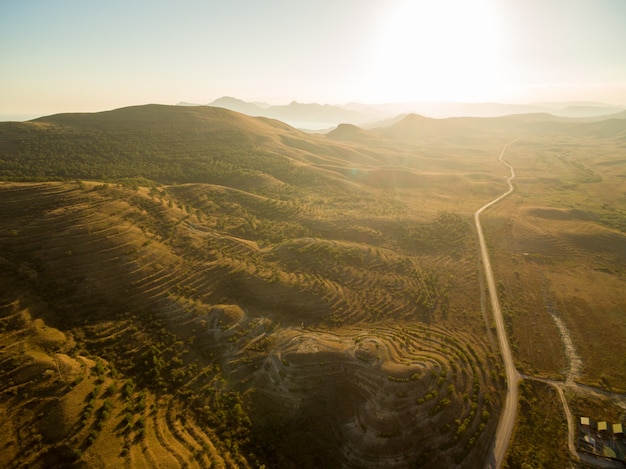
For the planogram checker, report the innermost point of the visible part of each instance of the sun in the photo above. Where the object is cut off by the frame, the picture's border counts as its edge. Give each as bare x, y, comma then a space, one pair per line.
443, 50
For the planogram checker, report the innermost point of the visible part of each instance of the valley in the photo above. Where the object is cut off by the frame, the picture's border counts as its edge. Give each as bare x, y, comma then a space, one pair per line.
190, 286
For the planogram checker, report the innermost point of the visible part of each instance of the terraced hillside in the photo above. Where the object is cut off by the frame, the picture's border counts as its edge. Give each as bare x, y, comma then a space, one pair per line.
141, 315
194, 287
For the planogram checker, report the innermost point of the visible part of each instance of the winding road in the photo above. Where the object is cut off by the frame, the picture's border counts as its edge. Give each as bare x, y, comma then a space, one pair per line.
506, 423
504, 431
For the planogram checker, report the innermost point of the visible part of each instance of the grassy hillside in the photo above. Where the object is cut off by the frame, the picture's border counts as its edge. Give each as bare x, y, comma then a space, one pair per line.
193, 310
192, 286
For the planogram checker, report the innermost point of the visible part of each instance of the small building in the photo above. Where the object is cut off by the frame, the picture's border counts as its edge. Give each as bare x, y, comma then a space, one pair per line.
602, 426
584, 421
608, 452
618, 428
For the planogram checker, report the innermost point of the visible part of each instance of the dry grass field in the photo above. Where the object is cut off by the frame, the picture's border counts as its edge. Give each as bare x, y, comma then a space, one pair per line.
560, 245
194, 287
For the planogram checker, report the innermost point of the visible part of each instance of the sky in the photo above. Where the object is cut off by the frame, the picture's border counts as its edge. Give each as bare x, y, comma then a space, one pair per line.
88, 55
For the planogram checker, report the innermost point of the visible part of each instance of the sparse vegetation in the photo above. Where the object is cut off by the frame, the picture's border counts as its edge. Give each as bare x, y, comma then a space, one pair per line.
541, 425
205, 289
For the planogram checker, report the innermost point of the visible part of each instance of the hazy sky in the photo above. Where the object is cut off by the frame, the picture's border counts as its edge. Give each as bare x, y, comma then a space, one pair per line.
84, 55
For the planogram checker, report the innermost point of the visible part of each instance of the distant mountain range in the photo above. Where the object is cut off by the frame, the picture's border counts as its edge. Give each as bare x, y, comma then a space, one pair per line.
313, 116
307, 116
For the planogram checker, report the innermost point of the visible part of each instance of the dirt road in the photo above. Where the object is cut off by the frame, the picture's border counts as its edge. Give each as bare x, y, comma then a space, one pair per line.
506, 423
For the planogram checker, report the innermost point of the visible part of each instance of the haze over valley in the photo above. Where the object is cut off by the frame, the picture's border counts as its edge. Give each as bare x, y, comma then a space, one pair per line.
316, 117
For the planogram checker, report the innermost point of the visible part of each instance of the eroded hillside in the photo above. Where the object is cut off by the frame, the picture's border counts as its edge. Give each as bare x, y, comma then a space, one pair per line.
119, 298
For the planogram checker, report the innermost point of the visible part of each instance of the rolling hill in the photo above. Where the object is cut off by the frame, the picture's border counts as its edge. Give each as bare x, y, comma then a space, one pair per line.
191, 286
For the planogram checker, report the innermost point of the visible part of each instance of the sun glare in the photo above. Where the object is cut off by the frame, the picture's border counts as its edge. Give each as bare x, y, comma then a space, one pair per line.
437, 50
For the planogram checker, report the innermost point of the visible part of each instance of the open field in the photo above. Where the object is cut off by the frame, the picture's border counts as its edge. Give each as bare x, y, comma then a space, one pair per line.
191, 286
560, 245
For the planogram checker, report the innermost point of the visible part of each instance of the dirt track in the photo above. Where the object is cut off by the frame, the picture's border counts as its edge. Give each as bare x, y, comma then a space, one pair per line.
507, 419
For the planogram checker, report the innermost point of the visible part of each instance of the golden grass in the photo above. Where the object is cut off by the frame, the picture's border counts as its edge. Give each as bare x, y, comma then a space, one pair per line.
557, 250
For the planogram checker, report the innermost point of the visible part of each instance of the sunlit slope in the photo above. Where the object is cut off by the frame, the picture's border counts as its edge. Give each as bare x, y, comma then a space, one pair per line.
174, 144
205, 243
166, 144
540, 125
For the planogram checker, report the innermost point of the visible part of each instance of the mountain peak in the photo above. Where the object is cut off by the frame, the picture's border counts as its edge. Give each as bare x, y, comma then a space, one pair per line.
238, 105
227, 99
348, 132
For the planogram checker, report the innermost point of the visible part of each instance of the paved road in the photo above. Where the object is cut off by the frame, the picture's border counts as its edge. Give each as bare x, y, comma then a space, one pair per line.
506, 423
